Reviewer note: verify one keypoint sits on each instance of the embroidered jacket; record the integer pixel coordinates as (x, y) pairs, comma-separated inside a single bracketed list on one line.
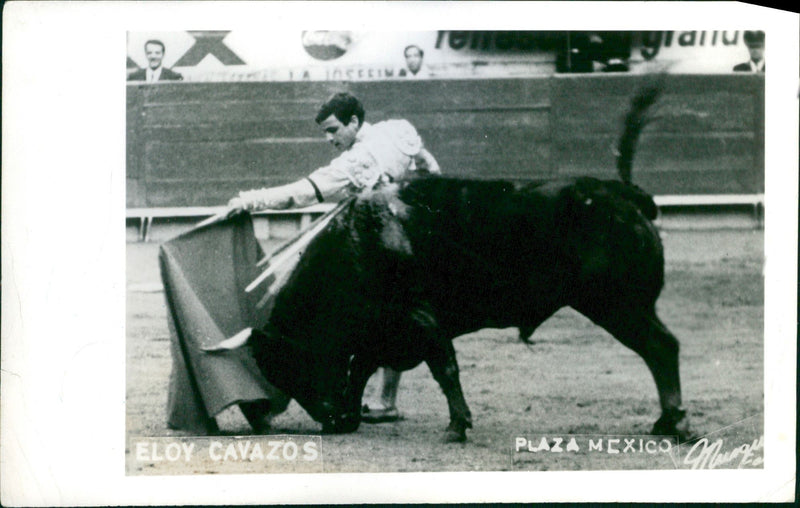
[(381, 153)]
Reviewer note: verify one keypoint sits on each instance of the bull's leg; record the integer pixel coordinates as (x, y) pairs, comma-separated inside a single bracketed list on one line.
[(359, 373), (642, 331), (663, 361), (443, 366)]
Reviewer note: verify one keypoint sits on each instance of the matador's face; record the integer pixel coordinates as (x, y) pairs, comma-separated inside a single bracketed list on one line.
[(338, 134)]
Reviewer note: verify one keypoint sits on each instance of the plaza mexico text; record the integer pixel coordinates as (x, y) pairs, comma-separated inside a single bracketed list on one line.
[(593, 444), (240, 450), (703, 453)]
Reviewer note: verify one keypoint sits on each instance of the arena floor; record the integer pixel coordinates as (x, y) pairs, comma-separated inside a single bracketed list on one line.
[(574, 380)]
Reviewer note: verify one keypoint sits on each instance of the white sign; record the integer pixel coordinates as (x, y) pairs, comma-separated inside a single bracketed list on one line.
[(292, 55)]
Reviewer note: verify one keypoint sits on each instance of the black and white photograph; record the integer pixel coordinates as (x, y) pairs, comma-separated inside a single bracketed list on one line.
[(423, 255)]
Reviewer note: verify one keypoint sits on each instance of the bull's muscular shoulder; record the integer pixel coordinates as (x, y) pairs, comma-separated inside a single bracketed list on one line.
[(442, 192), (379, 216), (587, 190)]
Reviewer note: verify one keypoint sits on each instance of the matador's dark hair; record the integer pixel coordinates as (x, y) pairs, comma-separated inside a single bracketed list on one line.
[(343, 106)]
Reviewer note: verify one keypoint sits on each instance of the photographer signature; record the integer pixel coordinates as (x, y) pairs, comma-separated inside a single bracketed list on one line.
[(707, 455)]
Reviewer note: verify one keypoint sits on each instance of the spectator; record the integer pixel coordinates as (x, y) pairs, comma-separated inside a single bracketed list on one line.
[(755, 46), (372, 155), (154, 51), (615, 51), (595, 51), (578, 52), (414, 56)]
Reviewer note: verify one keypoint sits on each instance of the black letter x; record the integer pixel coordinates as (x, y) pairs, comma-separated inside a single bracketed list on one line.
[(208, 42)]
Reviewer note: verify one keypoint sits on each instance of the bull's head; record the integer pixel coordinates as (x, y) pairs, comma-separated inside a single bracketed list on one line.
[(316, 325), (319, 382)]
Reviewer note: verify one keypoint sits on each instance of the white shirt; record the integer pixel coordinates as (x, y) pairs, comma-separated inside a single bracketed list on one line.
[(152, 75), (757, 67), (381, 153)]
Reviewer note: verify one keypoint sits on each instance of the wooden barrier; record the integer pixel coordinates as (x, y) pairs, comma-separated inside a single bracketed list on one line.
[(198, 144), (142, 220)]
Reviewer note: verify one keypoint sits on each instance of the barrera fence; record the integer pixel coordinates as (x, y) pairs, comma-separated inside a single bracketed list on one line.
[(192, 146)]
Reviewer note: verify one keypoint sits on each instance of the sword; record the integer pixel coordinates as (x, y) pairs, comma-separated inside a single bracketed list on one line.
[(214, 218)]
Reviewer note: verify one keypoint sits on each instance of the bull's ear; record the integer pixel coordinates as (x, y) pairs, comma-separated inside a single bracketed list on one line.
[(237, 341)]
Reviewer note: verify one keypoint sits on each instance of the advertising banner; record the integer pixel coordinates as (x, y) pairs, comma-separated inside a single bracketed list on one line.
[(275, 55)]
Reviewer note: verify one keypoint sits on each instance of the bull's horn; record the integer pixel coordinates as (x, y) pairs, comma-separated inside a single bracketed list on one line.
[(237, 341)]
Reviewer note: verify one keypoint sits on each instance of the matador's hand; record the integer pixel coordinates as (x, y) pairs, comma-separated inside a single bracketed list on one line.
[(236, 205)]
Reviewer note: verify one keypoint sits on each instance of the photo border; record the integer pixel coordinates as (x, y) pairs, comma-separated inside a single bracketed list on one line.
[(63, 363)]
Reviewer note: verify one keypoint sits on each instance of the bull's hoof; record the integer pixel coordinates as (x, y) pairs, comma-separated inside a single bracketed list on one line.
[(674, 423), (455, 434), (350, 424), (344, 424)]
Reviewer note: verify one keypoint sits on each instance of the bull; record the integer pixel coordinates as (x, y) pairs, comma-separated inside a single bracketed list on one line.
[(404, 270)]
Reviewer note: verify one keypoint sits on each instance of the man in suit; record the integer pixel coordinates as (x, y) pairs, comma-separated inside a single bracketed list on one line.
[(154, 51), (414, 56), (754, 40)]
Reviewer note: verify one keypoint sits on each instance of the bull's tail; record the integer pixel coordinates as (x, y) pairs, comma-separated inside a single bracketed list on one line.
[(635, 121)]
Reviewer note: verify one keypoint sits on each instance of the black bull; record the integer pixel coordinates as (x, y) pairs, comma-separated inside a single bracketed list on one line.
[(404, 270)]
